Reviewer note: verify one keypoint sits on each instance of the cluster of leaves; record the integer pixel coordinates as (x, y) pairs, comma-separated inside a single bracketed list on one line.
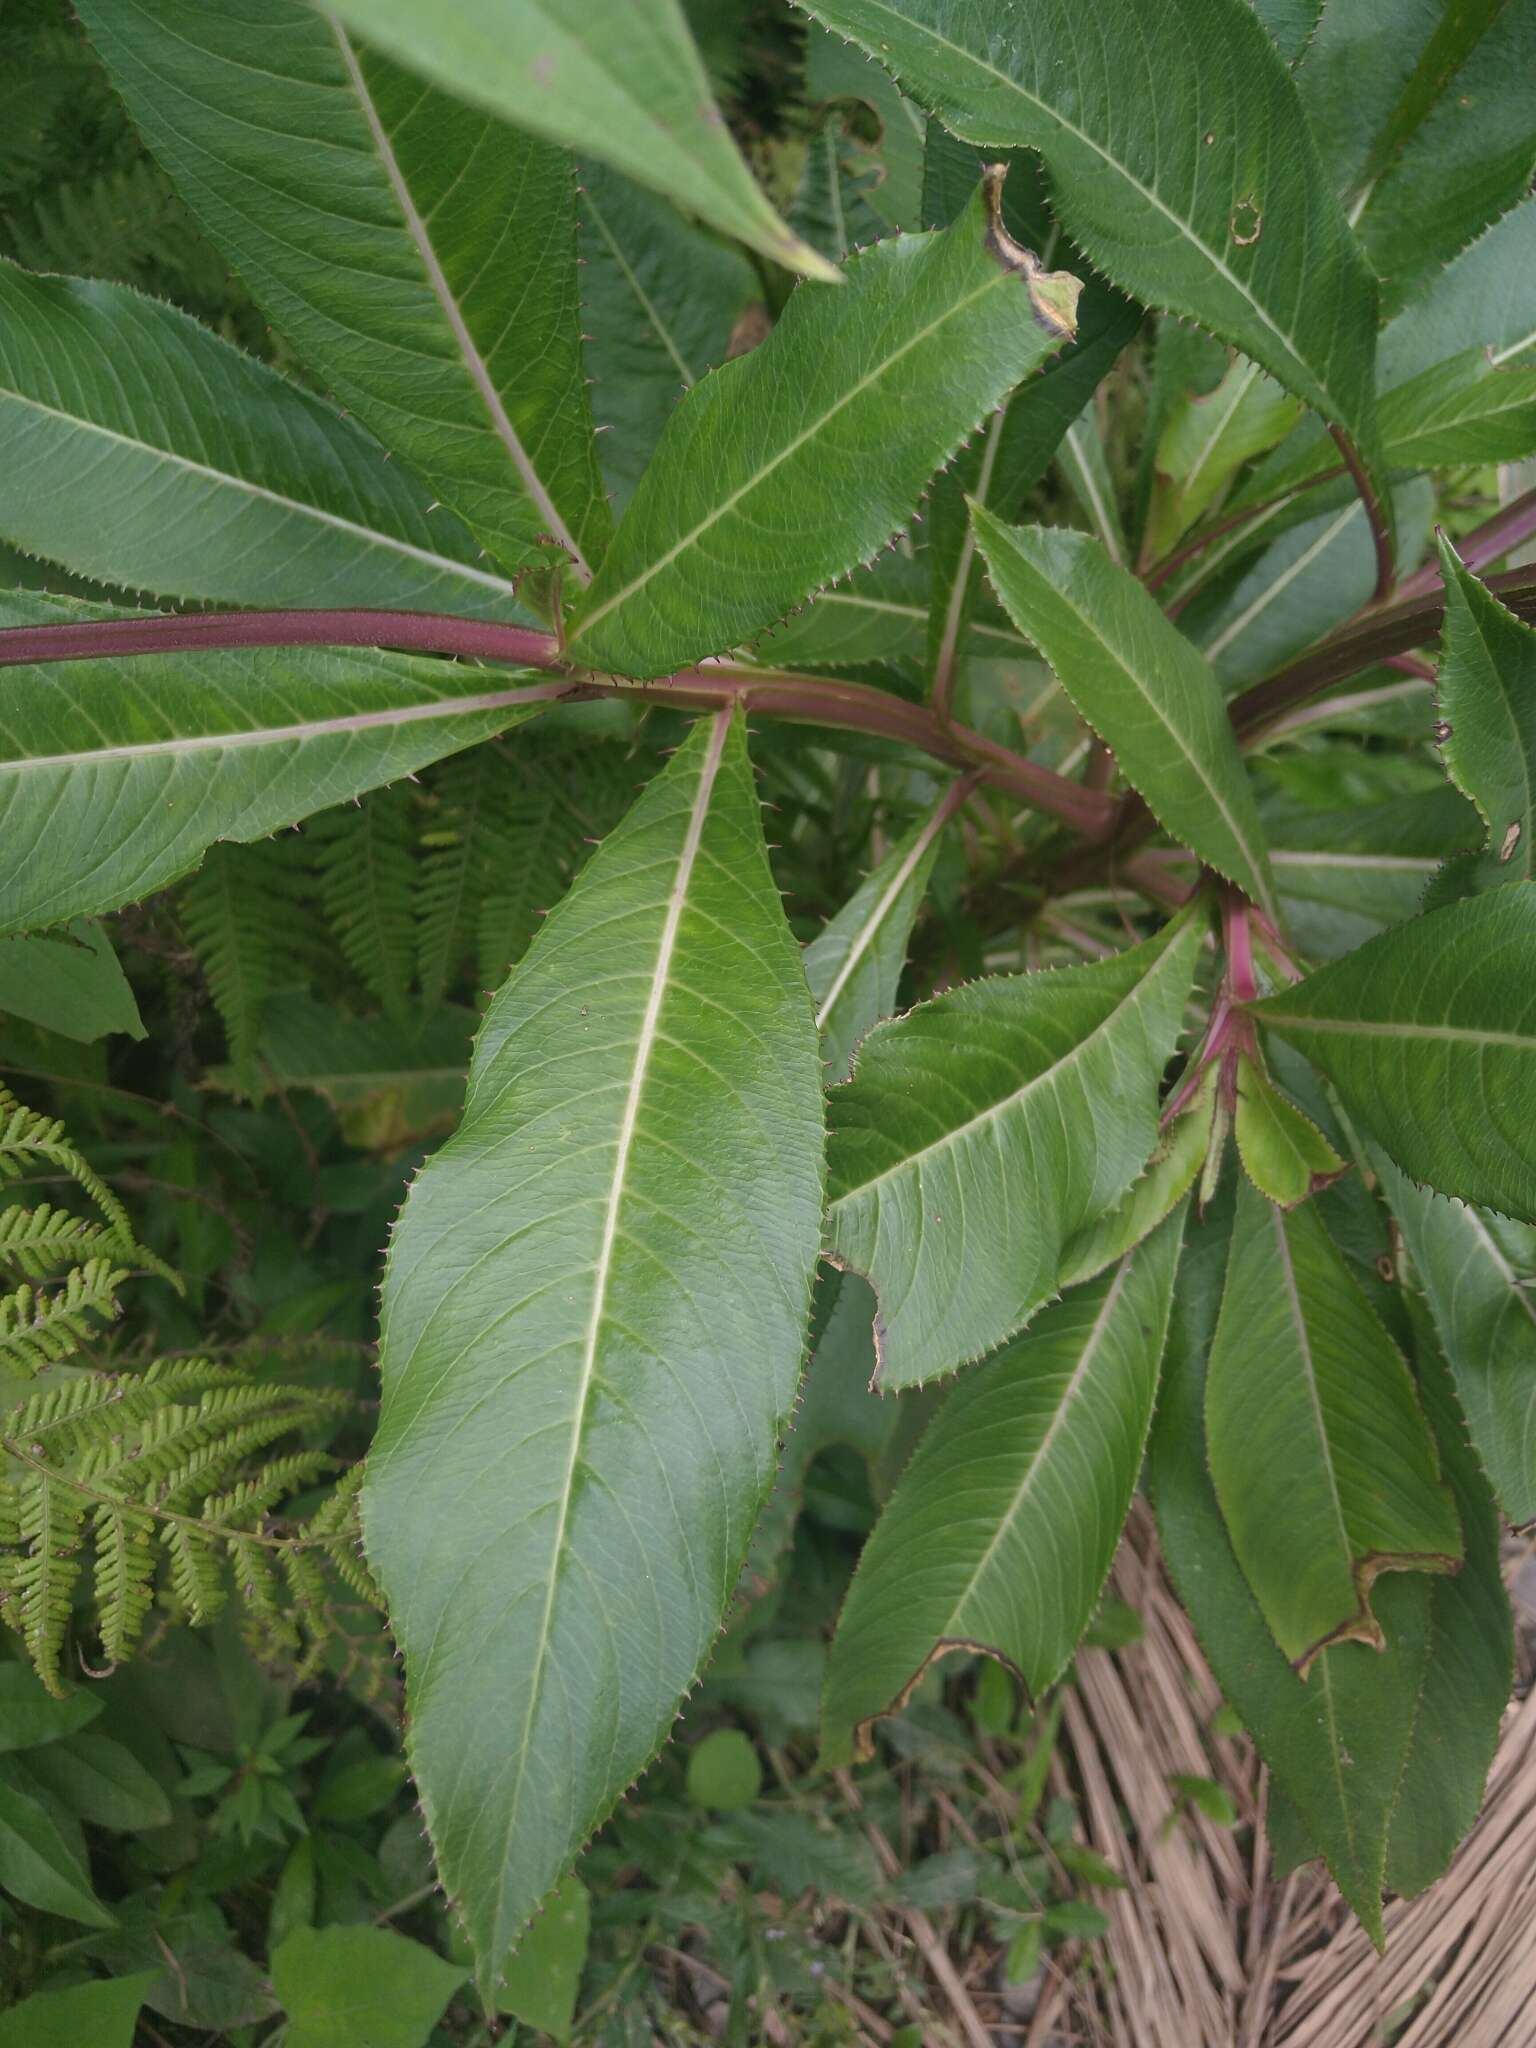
[(1182, 329)]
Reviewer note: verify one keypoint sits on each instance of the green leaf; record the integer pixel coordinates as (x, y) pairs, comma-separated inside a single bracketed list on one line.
[(632, 1196), (1429, 1035), (1178, 160), (42, 1855), (1042, 1446), (1346, 1800), (854, 963), (1206, 440), (70, 983), (982, 1130), (1485, 695), (1478, 1273), (1141, 686), (762, 489), (1321, 1459), (540, 1980), (1283, 1152), (1426, 117), (419, 255), (98, 1780), (360, 1987), (1170, 1174), (30, 1716), (1485, 301), (723, 1771), (115, 774), (612, 80), (1471, 1660), (660, 299), (104, 2014), (111, 404)]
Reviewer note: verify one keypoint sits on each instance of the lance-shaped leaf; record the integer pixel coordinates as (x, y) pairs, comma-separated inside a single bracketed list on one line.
[(1345, 1791), (139, 449), (1426, 118), (69, 982), (883, 614), (984, 1129), (1283, 1152), (1206, 440), (854, 964), (1178, 160), (115, 775), (1321, 1458), (763, 489), (660, 300), (1478, 1274), (1139, 683), (1171, 1171), (593, 1317), (1429, 1034), (419, 255), (1486, 697), (608, 79), (1000, 1532)]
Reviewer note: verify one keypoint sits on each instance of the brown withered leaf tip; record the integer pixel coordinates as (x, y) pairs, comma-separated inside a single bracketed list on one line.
[(1053, 294)]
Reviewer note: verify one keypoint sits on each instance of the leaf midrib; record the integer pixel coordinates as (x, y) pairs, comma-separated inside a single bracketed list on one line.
[(1309, 1376), (228, 480), (869, 930), (790, 448), (645, 1042), (1148, 192), (1517, 745), (1447, 1034)]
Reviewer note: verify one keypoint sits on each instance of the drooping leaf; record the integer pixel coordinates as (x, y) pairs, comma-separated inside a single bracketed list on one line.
[(611, 80), (1346, 1801), (1471, 1659), (1478, 1274), (660, 300), (139, 449), (116, 774), (1141, 686), (632, 1198), (420, 255), (854, 963), (70, 982), (1283, 1152), (360, 1987), (1426, 118), (1000, 1532), (982, 1130), (541, 1979), (762, 490), (1178, 160), (1486, 699), (1320, 1456), (1429, 1034)]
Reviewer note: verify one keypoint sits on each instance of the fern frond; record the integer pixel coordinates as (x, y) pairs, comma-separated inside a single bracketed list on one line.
[(197, 1571), (125, 1576), (243, 914), (336, 1529), (36, 1242), (40, 1329), (244, 1505), (270, 1631), (363, 858), (25, 1135), (50, 1517), (307, 1593)]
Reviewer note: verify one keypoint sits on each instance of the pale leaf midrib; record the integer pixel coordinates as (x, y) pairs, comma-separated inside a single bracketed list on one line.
[(792, 447), (997, 1110), (475, 365), (647, 305), (645, 1041), (1309, 1376), (278, 735), (870, 929), (1442, 1034), (228, 480)]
